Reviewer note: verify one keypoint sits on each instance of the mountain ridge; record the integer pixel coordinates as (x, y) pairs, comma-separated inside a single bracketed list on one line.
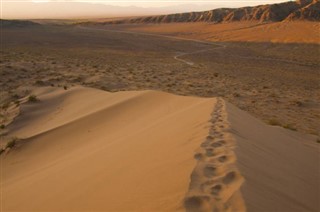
[(308, 10)]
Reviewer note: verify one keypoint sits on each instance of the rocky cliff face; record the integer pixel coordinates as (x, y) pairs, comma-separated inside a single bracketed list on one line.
[(310, 12), (299, 10)]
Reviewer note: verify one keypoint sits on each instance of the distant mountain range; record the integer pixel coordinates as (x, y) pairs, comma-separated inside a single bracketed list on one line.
[(306, 10)]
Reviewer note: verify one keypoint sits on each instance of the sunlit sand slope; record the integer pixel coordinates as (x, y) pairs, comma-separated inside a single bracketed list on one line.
[(87, 149), (93, 150)]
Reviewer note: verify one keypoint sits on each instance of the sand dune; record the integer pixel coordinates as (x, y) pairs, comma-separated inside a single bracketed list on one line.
[(122, 151), (86, 149), (280, 167)]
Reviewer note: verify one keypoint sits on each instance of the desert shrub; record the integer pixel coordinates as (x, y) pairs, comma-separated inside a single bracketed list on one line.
[(33, 98), (15, 96), (5, 105), (1, 151), (274, 122), (12, 143), (236, 94), (298, 103), (2, 126), (40, 82), (290, 127), (65, 87)]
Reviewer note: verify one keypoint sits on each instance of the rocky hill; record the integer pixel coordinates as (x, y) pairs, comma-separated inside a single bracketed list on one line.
[(17, 23), (293, 10)]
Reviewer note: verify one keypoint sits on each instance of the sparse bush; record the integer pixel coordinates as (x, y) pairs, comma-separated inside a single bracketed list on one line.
[(274, 122), (318, 140), (236, 94), (1, 151), (33, 98), (65, 87), (298, 103), (5, 106), (15, 96), (11, 143), (290, 127), (273, 95), (2, 126), (40, 82)]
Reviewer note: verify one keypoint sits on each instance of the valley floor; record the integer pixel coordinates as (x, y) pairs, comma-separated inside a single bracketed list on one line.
[(276, 82)]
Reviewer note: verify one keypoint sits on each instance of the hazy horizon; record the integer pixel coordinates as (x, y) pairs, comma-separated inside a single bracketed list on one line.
[(69, 9)]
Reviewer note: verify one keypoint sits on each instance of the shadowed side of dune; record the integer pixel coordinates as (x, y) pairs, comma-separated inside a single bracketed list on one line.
[(280, 167)]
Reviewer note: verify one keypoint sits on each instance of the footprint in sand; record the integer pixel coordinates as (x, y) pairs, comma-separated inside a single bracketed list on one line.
[(216, 144), (216, 189), (222, 159), (197, 203), (198, 156), (210, 152), (229, 177), (205, 144), (211, 171), (210, 137), (216, 134)]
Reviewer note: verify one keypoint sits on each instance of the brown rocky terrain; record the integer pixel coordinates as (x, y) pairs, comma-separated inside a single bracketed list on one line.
[(17, 23)]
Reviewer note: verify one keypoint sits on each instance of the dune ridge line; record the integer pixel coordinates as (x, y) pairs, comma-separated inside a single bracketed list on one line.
[(216, 181)]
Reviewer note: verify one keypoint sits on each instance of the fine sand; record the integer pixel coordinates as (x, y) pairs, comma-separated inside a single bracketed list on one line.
[(91, 150)]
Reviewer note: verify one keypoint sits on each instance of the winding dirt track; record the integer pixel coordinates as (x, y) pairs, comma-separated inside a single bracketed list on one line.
[(179, 55), (190, 63)]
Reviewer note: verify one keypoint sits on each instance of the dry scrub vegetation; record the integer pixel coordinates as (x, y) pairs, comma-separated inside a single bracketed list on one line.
[(278, 83)]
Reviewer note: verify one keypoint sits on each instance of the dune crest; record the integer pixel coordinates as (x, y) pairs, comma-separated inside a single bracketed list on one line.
[(216, 181)]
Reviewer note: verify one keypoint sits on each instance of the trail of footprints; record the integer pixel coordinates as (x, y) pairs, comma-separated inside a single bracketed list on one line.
[(215, 181)]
